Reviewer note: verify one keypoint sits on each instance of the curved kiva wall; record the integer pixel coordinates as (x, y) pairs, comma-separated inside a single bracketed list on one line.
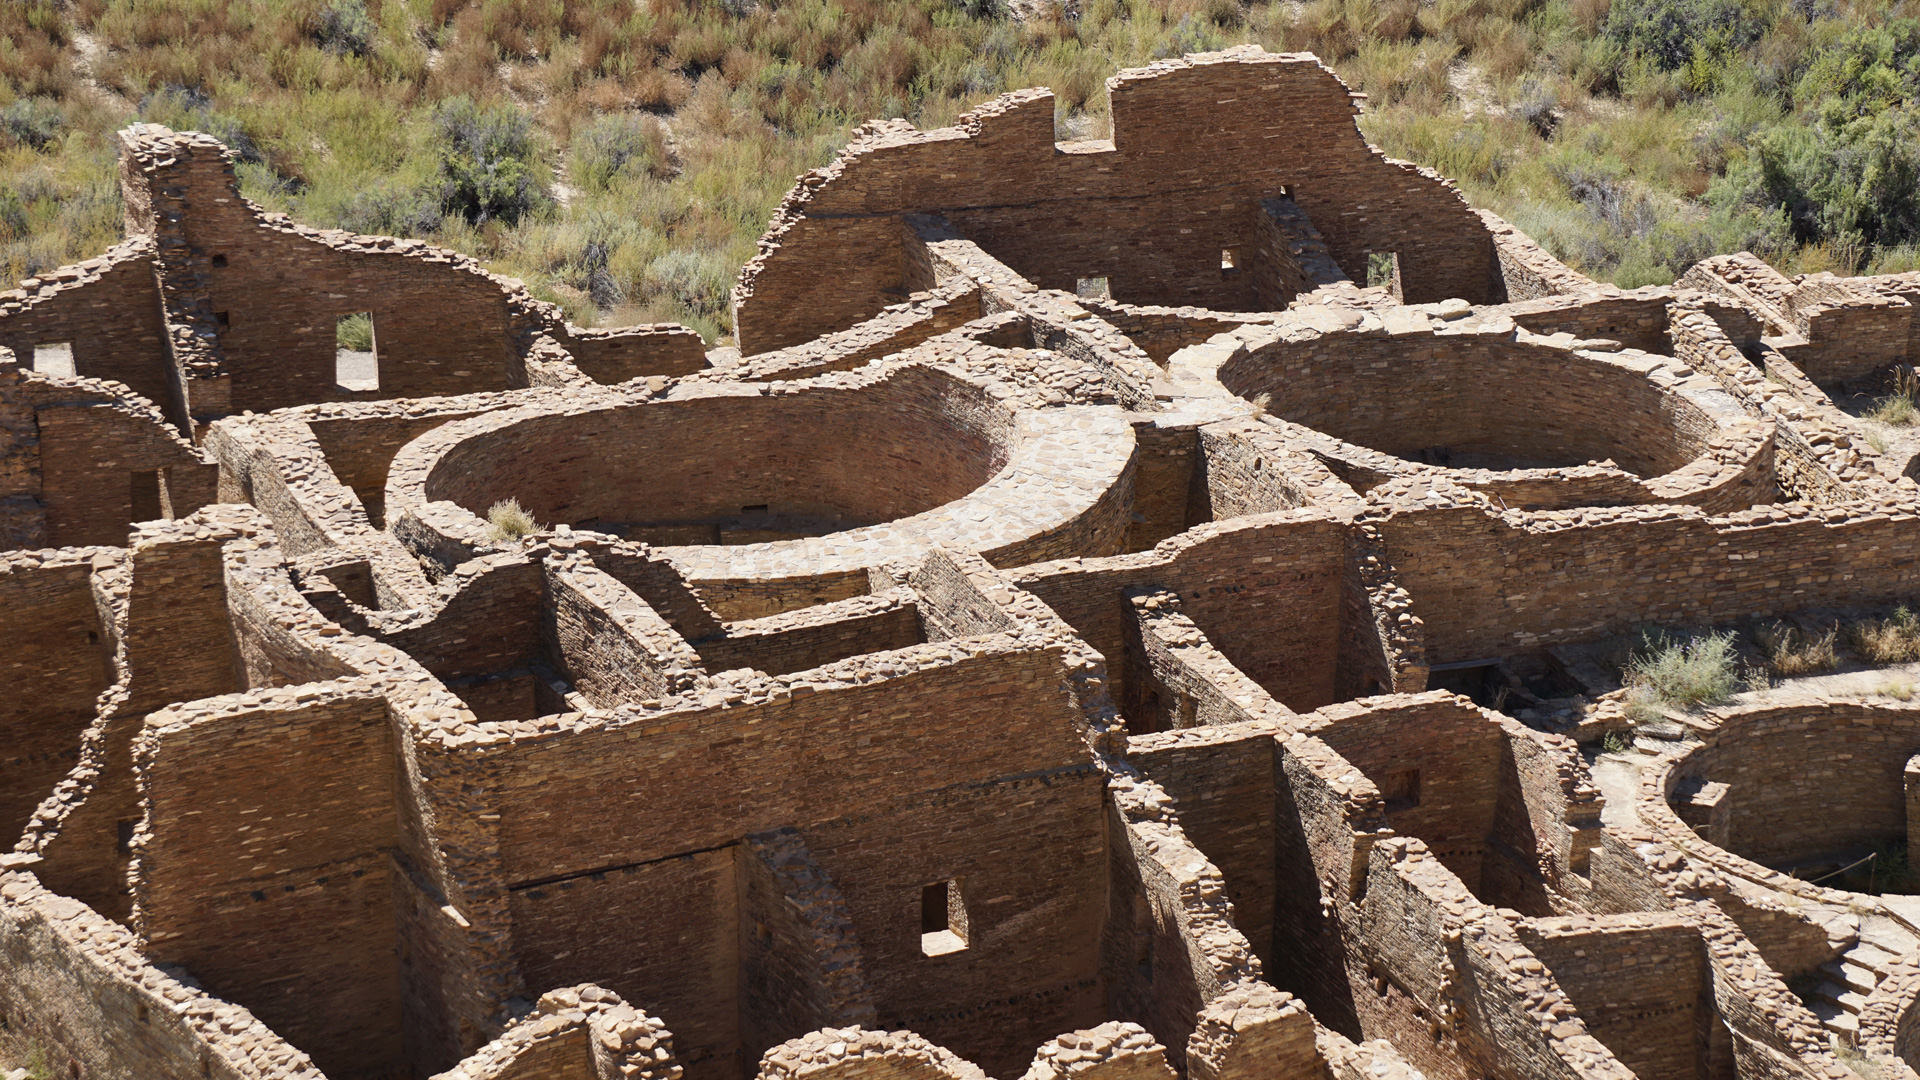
[(1804, 780), (898, 458), (1178, 182), (814, 462), (1489, 401), (1514, 416)]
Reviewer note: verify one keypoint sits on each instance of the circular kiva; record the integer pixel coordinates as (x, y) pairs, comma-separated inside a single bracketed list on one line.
[(1535, 421), (788, 483), (1779, 791)]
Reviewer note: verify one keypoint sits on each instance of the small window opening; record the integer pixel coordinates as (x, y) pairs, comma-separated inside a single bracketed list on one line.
[(756, 508), (1401, 789), (1229, 259), (219, 260), (1383, 271), (943, 919), (356, 354), (53, 358), (143, 491), (221, 318), (1093, 288)]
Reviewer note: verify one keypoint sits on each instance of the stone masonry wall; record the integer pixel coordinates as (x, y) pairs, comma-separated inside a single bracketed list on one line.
[(1810, 779), (1640, 982), (78, 982), (48, 615), (1002, 181), (1284, 567), (562, 841), (107, 308), (800, 957), (246, 884), (1490, 584)]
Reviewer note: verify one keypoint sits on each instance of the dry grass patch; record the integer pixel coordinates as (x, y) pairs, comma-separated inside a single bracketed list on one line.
[(1894, 640), (508, 522), (1791, 651)]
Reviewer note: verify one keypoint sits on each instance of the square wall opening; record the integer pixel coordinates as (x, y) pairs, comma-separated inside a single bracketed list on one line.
[(54, 358), (356, 357), (943, 918)]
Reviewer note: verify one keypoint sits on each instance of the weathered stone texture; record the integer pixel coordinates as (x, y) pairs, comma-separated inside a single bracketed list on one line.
[(1017, 664)]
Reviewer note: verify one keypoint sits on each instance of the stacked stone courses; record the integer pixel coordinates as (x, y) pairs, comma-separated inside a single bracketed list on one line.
[(1134, 612)]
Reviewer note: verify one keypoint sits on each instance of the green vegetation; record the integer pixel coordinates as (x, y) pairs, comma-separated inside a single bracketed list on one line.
[(1901, 408), (1668, 672), (622, 156), (507, 522), (354, 332)]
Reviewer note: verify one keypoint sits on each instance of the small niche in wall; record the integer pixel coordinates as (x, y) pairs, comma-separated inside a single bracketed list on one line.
[(53, 358), (219, 260), (143, 490), (943, 918), (356, 352), (1093, 288), (1229, 260), (1401, 789), (220, 318)]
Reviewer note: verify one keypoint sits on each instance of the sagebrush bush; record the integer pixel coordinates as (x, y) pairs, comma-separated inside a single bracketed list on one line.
[(1700, 670), (488, 161), (32, 122), (354, 332)]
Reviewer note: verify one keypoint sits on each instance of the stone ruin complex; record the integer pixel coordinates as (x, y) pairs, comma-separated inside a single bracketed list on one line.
[(1092, 632)]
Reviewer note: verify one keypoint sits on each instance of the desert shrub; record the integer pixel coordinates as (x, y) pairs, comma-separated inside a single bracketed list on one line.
[(1791, 651), (1901, 407), (1671, 33), (1538, 105), (32, 122), (1893, 640), (618, 146), (397, 210), (488, 161), (1699, 670), (507, 522), (355, 332), (343, 27)]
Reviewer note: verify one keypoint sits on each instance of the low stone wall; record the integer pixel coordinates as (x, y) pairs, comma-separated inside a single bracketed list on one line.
[(81, 460), (576, 1033), (857, 1054), (1527, 271)]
